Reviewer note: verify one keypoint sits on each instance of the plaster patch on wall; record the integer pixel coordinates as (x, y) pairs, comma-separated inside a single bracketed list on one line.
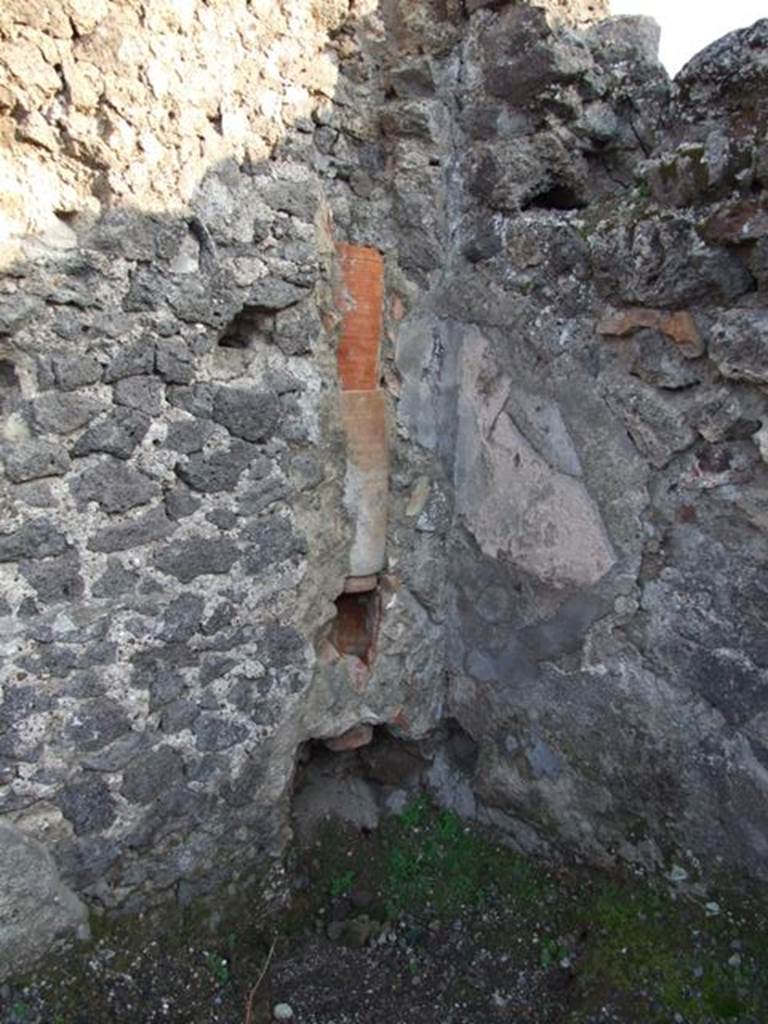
[(513, 499)]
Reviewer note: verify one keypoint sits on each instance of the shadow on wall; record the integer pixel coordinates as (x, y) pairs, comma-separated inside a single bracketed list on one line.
[(91, 121)]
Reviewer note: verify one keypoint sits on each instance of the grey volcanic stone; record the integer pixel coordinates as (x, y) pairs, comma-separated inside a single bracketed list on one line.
[(115, 486), (132, 533), (739, 345), (295, 197), (118, 753), (85, 861), (269, 541), (37, 494), (285, 646), (53, 413), (182, 618), (521, 59), (196, 399), (297, 328), (223, 518), (199, 300), (18, 310), (30, 460), (197, 556), (146, 290), (250, 414), (153, 773), (215, 732), (215, 667), (219, 471), (543, 761), (178, 716), (173, 360), (88, 804), (159, 671), (274, 293), (142, 393), (180, 502), (98, 723), (72, 372), (661, 262), (36, 539), (630, 38), (20, 701), (117, 434), (656, 362), (207, 767), (135, 359), (55, 579), (188, 436), (728, 71), (116, 580), (36, 908), (307, 471)]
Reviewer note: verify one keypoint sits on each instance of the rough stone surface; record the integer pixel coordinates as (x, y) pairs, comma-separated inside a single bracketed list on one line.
[(197, 556), (117, 434), (30, 460), (574, 356), (251, 415), (36, 908), (113, 485)]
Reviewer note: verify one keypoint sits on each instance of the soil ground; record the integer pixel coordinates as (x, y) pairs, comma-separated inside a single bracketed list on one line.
[(424, 921)]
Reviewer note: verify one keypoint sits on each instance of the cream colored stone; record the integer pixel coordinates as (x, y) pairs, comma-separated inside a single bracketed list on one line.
[(514, 502), (760, 437), (417, 499), (144, 83), (86, 14)]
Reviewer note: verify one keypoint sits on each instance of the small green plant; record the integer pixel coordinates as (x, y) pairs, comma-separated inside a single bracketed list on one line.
[(551, 952), (434, 862), (341, 884), (415, 813), (218, 967)]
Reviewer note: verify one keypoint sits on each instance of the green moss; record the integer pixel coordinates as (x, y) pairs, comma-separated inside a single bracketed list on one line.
[(641, 940), (341, 884), (434, 862)]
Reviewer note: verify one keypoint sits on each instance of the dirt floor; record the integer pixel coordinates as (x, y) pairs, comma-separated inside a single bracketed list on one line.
[(422, 921)]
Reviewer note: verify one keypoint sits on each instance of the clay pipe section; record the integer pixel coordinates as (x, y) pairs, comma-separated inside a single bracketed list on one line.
[(364, 415), (360, 301), (363, 411)]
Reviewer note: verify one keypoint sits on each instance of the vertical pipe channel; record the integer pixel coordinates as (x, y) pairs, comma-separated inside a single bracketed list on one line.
[(363, 411)]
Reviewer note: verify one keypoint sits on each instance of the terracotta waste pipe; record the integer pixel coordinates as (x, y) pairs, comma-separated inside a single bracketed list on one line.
[(366, 488), (363, 410), (360, 301)]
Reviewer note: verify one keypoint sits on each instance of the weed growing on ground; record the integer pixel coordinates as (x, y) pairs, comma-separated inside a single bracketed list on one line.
[(218, 966), (340, 885), (434, 862)]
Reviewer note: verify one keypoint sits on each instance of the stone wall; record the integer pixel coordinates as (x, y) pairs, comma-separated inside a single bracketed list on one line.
[(610, 479), (573, 366), (174, 533)]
